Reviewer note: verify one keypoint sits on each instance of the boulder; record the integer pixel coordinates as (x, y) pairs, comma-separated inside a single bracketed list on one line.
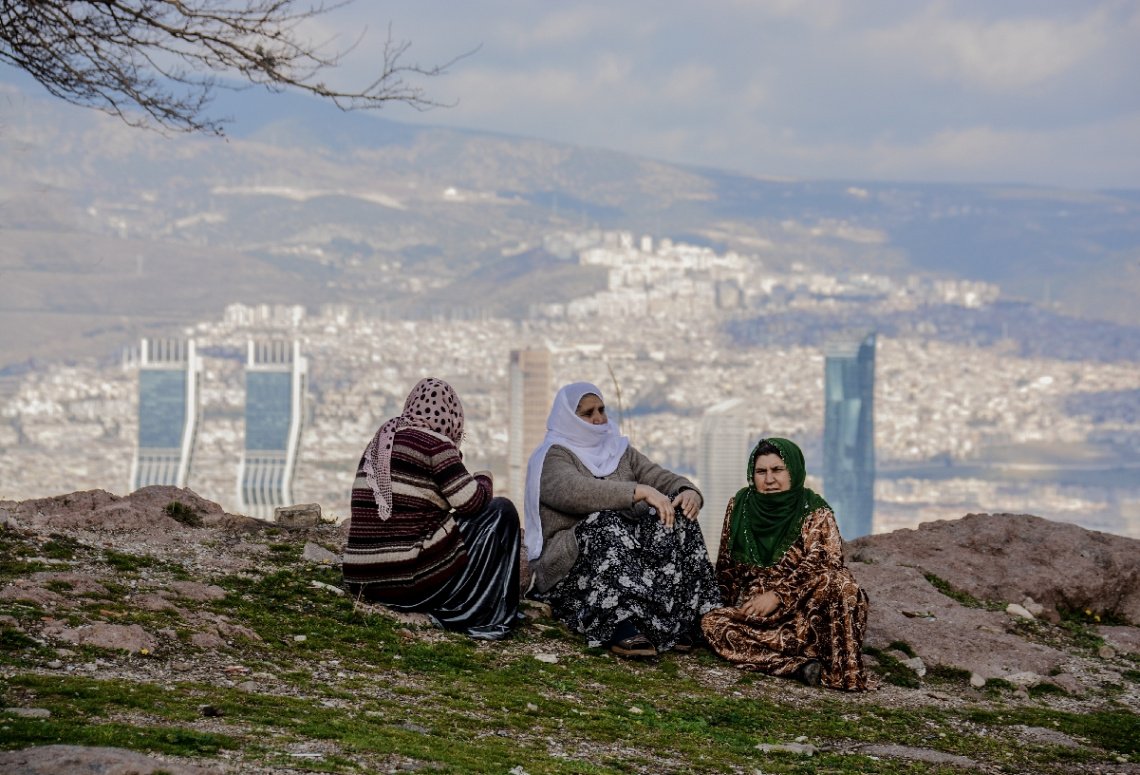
[(303, 515), (1123, 639), (129, 637), (317, 553), (1008, 557), (152, 603), (34, 595), (208, 640), (144, 508), (81, 583), (906, 607), (75, 759)]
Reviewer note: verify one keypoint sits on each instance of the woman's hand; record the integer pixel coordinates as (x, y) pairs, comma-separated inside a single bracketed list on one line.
[(658, 501), (759, 606), (689, 502)]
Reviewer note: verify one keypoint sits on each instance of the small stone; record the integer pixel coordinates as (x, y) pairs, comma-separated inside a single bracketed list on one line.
[(64, 653), (55, 664), (977, 681), (182, 667), (1024, 678), (248, 686), (303, 515), (1016, 610), (916, 664), (1033, 607), (802, 739), (635, 710), (1069, 682), (29, 712), (300, 638), (536, 610), (210, 711), (1106, 652), (530, 706), (317, 553), (550, 659)]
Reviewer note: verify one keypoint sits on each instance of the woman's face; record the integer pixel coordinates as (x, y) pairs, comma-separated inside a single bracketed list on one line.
[(771, 475), (592, 410)]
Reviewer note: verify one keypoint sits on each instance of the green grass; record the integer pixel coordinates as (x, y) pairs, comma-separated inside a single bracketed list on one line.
[(964, 599), (465, 706), (891, 669), (182, 513)]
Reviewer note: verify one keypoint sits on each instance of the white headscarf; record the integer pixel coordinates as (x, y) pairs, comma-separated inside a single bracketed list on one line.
[(599, 447)]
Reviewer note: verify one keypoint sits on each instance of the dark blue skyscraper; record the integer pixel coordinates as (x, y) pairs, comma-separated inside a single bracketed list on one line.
[(849, 433), (275, 386), (169, 412)]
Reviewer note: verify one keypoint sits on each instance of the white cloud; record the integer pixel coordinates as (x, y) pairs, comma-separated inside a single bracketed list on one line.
[(1004, 55)]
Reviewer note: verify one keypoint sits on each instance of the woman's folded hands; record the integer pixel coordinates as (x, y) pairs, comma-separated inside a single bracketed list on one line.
[(759, 606), (687, 500)]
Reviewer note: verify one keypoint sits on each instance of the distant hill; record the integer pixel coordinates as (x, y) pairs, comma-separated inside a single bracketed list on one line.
[(108, 230)]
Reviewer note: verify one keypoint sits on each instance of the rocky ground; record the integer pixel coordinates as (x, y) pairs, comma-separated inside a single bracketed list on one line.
[(156, 633)]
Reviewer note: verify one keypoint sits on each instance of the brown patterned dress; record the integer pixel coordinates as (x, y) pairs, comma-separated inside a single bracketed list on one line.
[(822, 613)]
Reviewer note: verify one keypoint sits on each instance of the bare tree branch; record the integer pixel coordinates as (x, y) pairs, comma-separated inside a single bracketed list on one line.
[(156, 63)]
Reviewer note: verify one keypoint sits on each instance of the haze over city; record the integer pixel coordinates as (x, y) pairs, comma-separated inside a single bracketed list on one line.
[(683, 195)]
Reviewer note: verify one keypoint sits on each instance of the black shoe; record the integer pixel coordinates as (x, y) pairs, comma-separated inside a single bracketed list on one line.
[(693, 639), (808, 674)]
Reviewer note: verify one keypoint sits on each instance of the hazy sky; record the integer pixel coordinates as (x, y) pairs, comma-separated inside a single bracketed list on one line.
[(1012, 91)]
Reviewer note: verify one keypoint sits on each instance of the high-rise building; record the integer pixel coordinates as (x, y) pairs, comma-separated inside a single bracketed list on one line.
[(530, 398), (721, 462), (849, 433), (276, 383), (170, 376)]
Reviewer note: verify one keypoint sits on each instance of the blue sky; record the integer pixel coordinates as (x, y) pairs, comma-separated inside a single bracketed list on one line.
[(1023, 92)]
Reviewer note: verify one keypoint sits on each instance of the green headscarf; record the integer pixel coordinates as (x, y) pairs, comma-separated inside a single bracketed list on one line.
[(765, 525)]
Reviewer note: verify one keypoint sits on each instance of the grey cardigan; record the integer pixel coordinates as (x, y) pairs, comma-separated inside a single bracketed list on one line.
[(569, 492)]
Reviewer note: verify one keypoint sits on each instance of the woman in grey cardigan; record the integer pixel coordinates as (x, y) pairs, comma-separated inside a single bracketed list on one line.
[(612, 537)]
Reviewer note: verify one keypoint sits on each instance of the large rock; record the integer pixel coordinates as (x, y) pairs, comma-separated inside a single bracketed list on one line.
[(1013, 556), (1126, 639), (129, 637), (80, 583), (905, 607), (144, 508), (84, 760), (302, 515)]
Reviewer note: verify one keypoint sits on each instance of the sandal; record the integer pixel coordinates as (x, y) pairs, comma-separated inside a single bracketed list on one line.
[(689, 641), (634, 646)]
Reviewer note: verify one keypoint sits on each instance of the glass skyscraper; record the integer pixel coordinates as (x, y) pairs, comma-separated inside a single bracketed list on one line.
[(849, 433), (170, 376), (276, 382)]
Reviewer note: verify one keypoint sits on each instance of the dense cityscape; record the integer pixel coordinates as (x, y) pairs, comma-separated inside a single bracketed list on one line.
[(661, 333)]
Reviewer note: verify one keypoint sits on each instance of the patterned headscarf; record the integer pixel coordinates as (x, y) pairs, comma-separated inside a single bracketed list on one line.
[(765, 525), (433, 406)]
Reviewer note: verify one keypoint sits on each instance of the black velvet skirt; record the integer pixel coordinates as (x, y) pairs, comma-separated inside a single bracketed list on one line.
[(482, 599)]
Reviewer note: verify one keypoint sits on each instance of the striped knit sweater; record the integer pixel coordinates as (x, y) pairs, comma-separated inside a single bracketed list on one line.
[(404, 558)]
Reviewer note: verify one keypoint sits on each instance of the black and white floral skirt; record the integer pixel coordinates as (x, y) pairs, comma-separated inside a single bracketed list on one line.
[(636, 569)]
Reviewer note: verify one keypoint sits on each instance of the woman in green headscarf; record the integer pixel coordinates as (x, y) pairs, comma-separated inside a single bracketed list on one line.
[(791, 608)]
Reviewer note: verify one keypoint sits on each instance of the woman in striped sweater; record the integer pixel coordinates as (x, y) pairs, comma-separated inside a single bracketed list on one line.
[(426, 535)]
